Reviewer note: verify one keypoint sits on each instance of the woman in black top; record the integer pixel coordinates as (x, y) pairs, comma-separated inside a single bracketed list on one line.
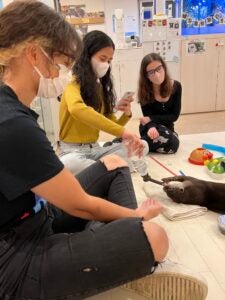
[(160, 99), (61, 237)]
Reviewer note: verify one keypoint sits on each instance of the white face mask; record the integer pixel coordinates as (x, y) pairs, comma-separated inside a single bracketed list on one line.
[(100, 68), (53, 87)]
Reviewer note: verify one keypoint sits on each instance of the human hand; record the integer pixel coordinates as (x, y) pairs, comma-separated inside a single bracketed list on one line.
[(153, 133), (133, 143), (144, 120), (149, 209), (124, 105)]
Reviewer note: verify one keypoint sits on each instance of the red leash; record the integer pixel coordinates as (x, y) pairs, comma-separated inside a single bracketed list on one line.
[(159, 163)]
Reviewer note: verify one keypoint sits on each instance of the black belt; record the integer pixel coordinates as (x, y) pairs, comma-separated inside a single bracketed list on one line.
[(18, 221)]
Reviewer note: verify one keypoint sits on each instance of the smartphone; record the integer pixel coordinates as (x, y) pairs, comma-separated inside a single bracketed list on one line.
[(128, 94)]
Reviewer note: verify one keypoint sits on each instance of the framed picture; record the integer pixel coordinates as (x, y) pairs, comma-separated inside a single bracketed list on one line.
[(195, 47), (78, 15)]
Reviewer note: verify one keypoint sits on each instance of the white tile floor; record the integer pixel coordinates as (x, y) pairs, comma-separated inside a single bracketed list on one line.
[(197, 242), (186, 124)]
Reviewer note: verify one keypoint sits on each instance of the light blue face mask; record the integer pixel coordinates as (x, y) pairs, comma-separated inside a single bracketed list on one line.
[(53, 87)]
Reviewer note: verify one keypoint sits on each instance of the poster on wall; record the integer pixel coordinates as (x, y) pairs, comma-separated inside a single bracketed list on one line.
[(161, 29), (154, 30), (174, 28), (167, 49), (160, 8), (195, 47), (130, 21), (79, 16)]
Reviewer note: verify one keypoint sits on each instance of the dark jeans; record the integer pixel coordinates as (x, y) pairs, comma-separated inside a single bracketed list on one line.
[(53, 255), (167, 142)]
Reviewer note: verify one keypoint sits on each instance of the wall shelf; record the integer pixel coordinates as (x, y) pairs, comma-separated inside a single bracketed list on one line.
[(80, 21)]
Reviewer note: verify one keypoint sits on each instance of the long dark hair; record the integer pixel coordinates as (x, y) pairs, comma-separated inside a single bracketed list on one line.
[(93, 42), (145, 87)]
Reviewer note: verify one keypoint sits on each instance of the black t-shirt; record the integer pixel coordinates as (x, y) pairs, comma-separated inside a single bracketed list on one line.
[(26, 158), (164, 113)]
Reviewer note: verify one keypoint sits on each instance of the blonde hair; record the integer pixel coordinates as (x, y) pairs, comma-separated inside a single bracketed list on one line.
[(25, 21), (7, 54)]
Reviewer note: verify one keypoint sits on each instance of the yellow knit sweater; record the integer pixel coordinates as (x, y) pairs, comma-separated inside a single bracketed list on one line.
[(80, 123)]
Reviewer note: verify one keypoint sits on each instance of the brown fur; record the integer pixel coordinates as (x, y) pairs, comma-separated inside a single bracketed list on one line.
[(196, 191)]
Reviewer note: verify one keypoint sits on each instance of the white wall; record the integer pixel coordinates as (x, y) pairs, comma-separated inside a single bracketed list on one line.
[(48, 2), (130, 9)]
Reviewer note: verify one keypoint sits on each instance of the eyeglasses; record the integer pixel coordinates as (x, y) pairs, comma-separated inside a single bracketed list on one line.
[(151, 73), (50, 59)]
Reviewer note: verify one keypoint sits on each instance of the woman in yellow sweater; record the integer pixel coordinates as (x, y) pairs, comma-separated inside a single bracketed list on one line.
[(87, 106)]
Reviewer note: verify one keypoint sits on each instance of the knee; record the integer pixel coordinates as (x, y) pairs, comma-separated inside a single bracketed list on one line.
[(70, 162), (113, 162), (75, 163), (158, 240), (175, 144), (171, 146)]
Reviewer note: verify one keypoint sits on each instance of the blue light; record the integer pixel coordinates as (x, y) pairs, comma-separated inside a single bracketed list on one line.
[(201, 10)]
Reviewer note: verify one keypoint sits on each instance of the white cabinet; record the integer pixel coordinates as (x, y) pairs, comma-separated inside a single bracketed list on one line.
[(125, 69), (202, 76), (129, 74), (220, 99), (116, 77), (48, 111)]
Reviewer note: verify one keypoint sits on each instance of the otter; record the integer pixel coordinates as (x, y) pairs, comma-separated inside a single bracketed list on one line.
[(190, 190)]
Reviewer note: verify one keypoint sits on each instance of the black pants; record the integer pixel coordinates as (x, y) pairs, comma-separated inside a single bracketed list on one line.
[(53, 255), (167, 142)]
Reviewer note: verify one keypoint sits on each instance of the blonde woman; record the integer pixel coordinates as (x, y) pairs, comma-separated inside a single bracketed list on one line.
[(61, 237)]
